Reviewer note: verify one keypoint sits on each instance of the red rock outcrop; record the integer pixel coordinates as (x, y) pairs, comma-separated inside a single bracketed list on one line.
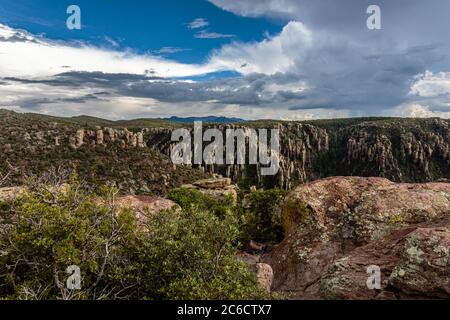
[(414, 263), (334, 220)]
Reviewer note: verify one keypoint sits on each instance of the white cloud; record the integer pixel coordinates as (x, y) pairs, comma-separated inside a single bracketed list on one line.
[(112, 42), (415, 110), (429, 84), (282, 8), (170, 50), (40, 57), (272, 55), (198, 23), (204, 34)]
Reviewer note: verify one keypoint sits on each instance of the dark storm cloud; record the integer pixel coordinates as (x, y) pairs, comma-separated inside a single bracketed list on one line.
[(344, 77), (248, 90), (16, 38), (36, 104), (349, 66), (79, 79)]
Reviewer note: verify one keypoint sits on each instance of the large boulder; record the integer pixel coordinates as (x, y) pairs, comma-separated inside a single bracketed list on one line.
[(363, 208), (215, 183), (220, 188), (262, 271), (326, 220)]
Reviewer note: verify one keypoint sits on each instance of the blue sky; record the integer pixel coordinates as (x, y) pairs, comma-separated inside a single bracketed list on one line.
[(144, 26), (253, 59)]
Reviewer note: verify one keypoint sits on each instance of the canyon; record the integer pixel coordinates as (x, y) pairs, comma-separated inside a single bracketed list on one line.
[(402, 150)]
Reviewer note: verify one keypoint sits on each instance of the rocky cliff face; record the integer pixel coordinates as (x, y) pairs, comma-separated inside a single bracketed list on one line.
[(402, 150), (338, 227), (106, 136), (402, 153), (33, 144), (300, 144)]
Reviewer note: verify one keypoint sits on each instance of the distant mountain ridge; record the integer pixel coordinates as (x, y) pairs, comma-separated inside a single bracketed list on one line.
[(209, 119)]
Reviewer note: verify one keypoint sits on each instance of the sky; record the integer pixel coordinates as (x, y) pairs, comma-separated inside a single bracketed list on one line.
[(253, 59)]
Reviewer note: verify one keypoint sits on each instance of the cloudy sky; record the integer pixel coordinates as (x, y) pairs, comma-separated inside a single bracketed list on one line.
[(280, 59)]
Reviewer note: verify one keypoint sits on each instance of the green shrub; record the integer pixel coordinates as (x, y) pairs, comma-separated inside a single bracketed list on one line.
[(191, 256), (258, 215), (191, 198), (263, 221), (187, 254), (45, 232)]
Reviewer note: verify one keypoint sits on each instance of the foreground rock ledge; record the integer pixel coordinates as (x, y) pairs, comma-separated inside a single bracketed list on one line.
[(220, 188), (337, 227)]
